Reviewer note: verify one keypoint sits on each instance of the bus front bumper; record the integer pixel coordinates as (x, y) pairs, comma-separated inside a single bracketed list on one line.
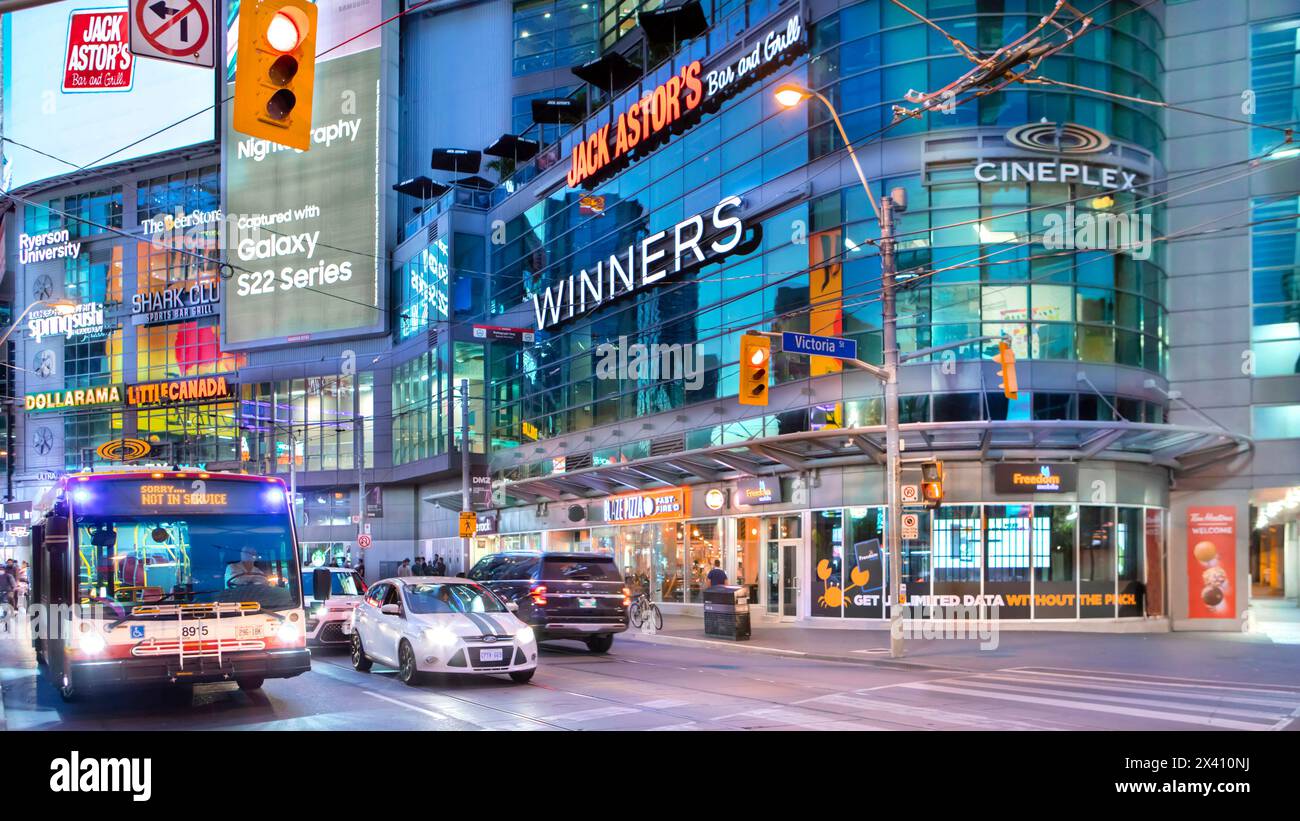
[(110, 673)]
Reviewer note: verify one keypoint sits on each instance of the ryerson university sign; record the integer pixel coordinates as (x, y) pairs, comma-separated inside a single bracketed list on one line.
[(680, 249)]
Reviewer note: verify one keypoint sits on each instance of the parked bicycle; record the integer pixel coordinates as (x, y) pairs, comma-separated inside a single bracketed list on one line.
[(643, 610)]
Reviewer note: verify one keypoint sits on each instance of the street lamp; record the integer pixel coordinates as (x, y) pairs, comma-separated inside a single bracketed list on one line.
[(62, 306), (790, 95)]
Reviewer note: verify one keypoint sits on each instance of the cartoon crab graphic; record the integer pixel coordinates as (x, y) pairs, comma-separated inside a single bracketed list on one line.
[(833, 595)]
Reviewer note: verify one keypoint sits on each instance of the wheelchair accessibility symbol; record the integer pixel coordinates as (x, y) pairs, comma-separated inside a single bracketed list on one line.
[(137, 631)]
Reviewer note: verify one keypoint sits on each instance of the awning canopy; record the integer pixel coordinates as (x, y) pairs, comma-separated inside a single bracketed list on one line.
[(557, 110), (459, 160), (475, 182), (612, 72), (421, 187), (1173, 446)]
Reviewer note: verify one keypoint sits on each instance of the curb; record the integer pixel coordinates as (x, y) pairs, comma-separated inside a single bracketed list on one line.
[(742, 647)]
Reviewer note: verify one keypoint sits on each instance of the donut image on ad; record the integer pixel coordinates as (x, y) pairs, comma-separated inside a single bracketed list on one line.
[(1211, 550)]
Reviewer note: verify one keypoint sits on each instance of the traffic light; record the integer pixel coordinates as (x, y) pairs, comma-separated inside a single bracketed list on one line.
[(276, 71), (932, 483), (755, 358), (1007, 359)]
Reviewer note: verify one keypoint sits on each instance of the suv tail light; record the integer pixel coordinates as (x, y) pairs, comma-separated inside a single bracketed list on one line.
[(538, 594), (627, 597)]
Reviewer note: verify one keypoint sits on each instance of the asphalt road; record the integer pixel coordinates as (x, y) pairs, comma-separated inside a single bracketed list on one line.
[(643, 686)]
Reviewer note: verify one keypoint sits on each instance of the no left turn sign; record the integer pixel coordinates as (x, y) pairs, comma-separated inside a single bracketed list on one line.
[(179, 31)]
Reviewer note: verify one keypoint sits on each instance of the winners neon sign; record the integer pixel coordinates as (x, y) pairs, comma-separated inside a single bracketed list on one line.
[(679, 102)]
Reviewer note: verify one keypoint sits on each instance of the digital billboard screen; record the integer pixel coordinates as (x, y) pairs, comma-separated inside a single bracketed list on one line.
[(67, 73), (303, 226)]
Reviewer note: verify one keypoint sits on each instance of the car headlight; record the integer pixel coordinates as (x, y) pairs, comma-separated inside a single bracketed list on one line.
[(319, 611), (440, 635), (525, 635)]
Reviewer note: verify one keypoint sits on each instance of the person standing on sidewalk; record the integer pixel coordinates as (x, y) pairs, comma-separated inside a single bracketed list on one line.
[(717, 575)]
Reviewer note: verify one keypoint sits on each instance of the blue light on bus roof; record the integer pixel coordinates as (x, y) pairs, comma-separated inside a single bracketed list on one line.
[(82, 495), (274, 496)]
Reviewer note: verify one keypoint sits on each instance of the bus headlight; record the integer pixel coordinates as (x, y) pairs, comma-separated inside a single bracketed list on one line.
[(288, 632), (525, 635), (92, 642)]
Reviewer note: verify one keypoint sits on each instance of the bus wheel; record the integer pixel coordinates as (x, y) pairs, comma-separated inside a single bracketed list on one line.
[(250, 683)]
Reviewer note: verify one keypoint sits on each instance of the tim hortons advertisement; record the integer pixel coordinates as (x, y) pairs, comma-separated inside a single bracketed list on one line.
[(302, 227), (1211, 562)]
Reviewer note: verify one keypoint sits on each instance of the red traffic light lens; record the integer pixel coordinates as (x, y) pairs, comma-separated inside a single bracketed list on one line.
[(282, 33)]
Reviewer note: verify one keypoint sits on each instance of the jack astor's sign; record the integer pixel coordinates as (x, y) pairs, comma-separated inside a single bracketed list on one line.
[(683, 248), (678, 103)]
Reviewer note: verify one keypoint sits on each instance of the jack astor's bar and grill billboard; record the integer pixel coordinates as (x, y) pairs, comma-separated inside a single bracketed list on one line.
[(679, 102), (147, 395)]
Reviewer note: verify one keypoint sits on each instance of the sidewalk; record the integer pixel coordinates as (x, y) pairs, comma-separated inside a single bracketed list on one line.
[(1259, 657), (17, 661)]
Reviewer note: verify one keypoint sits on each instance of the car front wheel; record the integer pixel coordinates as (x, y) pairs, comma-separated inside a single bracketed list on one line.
[(523, 676), (600, 644), (406, 669)]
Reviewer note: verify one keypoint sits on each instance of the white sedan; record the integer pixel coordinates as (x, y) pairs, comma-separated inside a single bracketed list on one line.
[(434, 624)]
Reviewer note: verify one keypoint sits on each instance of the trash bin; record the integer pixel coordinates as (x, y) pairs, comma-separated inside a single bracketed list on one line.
[(726, 612)]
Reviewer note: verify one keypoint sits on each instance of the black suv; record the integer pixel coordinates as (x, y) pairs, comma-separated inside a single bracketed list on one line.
[(562, 595)]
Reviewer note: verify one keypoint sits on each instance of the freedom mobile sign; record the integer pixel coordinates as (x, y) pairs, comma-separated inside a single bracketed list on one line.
[(679, 102), (302, 228)]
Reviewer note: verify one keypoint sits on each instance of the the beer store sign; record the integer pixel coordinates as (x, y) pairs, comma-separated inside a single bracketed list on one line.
[(686, 246), (669, 503), (679, 102), (179, 302), (85, 320), (1035, 478), (147, 395)]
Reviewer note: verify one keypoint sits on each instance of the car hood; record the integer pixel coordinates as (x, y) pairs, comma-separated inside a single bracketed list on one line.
[(471, 624)]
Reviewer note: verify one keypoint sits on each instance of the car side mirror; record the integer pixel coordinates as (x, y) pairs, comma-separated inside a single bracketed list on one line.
[(391, 609), (322, 583), (512, 607)]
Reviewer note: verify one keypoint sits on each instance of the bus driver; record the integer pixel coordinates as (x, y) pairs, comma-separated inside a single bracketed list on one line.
[(245, 571)]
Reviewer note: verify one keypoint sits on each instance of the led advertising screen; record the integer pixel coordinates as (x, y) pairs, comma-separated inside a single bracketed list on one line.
[(303, 226), (68, 74)]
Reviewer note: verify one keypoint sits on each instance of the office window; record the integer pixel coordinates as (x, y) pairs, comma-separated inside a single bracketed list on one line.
[(1275, 79), (1275, 286)]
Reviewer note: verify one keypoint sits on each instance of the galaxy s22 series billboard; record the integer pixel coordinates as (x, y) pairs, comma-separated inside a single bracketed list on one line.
[(302, 227), (68, 73)]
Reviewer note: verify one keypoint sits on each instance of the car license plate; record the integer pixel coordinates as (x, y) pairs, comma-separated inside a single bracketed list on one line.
[(496, 654), (586, 602)]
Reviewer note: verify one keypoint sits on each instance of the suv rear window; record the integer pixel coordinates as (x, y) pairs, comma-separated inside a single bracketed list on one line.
[(582, 570)]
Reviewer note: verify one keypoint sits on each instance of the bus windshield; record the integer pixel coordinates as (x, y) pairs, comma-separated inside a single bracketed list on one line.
[(127, 561)]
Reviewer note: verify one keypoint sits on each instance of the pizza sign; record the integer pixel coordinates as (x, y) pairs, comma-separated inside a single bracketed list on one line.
[(98, 57)]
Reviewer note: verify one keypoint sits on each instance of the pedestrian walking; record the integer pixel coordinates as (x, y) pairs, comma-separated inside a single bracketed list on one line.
[(404, 569)]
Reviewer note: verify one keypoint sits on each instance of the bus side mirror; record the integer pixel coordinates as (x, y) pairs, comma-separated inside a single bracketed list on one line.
[(321, 583)]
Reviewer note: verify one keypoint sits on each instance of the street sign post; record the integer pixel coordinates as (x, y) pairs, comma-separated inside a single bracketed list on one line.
[(910, 494), (832, 346), (468, 524), (179, 31), (911, 526), (363, 541)]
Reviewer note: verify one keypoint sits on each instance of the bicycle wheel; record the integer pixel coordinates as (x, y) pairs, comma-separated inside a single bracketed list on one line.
[(636, 615), (658, 616)]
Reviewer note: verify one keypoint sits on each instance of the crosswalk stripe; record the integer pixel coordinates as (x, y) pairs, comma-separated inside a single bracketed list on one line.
[(944, 716), (1216, 709), (1115, 709), (1083, 681), (592, 715), (1165, 681)]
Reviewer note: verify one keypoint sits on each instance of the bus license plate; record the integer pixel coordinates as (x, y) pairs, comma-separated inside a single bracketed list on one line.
[(586, 602), (252, 632), (497, 654)]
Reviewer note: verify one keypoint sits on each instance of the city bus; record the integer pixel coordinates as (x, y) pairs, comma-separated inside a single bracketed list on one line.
[(148, 577)]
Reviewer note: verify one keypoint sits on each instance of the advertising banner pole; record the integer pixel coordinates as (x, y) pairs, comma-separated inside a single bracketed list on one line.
[(464, 465)]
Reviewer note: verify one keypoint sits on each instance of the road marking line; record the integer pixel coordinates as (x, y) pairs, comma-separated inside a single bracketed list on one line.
[(430, 713), (591, 715), (1218, 697), (932, 714), (1204, 721), (1168, 681), (662, 703)]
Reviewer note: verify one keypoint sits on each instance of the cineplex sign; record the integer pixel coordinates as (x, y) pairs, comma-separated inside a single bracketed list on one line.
[(680, 101), (147, 395)]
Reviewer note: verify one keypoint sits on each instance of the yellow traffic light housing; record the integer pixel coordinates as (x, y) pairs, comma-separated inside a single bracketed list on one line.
[(932, 483), (1006, 358), (755, 367), (275, 71)]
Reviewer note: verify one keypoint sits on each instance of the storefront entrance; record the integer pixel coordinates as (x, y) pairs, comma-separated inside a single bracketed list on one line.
[(782, 548)]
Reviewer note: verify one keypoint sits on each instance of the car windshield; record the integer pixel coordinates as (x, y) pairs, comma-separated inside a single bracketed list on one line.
[(128, 561), (581, 570), (451, 598), (341, 584)]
